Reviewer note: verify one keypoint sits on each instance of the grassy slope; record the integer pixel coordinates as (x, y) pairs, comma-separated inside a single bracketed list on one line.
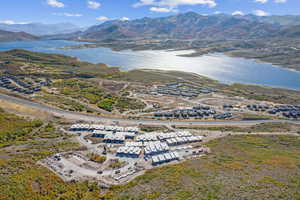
[(85, 91), (259, 128), (20, 176), (261, 93), (52, 65), (240, 167), (247, 167), (58, 66)]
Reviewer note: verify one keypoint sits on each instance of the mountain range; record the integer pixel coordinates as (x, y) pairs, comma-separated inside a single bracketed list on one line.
[(40, 29), (7, 36), (192, 26), (185, 26), (285, 20)]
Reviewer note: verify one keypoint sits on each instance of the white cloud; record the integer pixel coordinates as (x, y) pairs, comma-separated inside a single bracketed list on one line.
[(55, 3), (102, 18), (266, 1), (174, 3), (260, 13), (238, 12), (280, 1), (93, 4), (162, 10), (11, 22), (261, 1), (68, 14), (124, 19)]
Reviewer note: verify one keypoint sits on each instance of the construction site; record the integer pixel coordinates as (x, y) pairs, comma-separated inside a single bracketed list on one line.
[(112, 155)]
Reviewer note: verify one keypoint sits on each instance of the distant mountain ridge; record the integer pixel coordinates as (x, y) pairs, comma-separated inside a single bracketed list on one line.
[(284, 20), (41, 29), (8, 36), (188, 26), (184, 26)]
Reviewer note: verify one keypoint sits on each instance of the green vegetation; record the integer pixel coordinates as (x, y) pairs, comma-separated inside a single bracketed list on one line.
[(97, 158), (261, 93), (153, 128), (255, 167), (116, 164), (106, 104), (23, 143), (62, 102), (13, 128), (264, 127), (125, 103), (26, 63), (248, 167), (252, 167), (256, 92), (80, 89), (148, 76)]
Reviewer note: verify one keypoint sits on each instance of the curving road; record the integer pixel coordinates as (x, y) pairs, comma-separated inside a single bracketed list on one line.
[(94, 118)]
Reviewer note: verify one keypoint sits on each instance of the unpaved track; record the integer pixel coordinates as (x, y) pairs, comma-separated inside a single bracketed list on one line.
[(93, 118)]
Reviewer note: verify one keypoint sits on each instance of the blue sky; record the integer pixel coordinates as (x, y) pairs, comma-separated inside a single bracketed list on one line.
[(89, 12)]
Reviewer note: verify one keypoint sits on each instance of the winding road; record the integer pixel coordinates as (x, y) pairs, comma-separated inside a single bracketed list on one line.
[(93, 118)]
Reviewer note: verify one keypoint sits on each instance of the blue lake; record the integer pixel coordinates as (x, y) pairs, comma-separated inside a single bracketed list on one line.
[(217, 66)]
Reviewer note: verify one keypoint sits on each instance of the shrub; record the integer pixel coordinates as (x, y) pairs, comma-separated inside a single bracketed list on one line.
[(97, 158)]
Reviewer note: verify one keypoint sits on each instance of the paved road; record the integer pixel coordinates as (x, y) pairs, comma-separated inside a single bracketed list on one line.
[(94, 118)]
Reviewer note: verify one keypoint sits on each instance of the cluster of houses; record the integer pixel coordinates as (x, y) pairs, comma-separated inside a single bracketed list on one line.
[(226, 115), (155, 146), (288, 111), (166, 136), (164, 158), (178, 89), (261, 108), (228, 107), (92, 127), (115, 138), (129, 151), (148, 137), (2, 63), (195, 112), (16, 84), (110, 134), (183, 140)]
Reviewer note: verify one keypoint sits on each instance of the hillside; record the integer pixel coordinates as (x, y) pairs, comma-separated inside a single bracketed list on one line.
[(41, 29), (267, 39), (248, 166), (7, 36), (292, 32), (240, 167), (285, 20), (26, 63), (182, 26)]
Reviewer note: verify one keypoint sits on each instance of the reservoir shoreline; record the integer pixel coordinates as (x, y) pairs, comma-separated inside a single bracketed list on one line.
[(220, 67)]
